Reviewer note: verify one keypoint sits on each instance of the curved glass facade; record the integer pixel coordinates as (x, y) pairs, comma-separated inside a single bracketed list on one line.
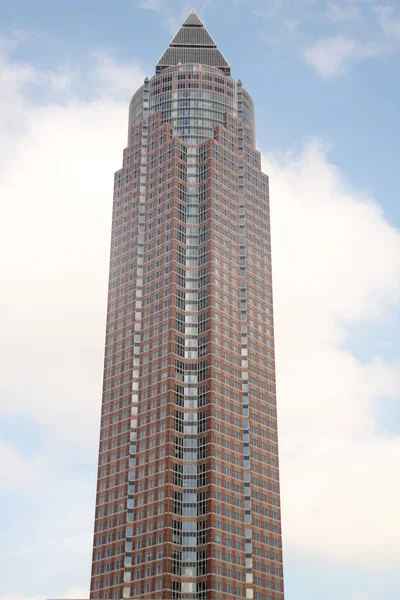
[(193, 99)]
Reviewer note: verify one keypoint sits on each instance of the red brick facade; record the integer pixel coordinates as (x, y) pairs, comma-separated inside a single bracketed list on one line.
[(187, 499)]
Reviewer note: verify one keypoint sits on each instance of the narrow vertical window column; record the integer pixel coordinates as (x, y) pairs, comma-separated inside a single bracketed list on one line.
[(136, 351), (245, 374), (194, 446)]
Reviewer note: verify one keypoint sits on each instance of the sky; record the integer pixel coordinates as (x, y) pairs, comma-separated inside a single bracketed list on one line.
[(324, 78)]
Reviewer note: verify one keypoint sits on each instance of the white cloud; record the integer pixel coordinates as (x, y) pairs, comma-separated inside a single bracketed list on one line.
[(269, 10), (336, 264), (172, 15), (80, 593), (343, 12), (342, 33), (55, 279), (18, 471), (57, 184), (112, 79), (13, 79), (17, 596), (358, 595), (169, 16), (56, 181), (156, 5), (388, 20), (331, 56)]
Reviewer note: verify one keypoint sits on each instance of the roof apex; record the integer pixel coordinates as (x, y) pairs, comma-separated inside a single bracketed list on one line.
[(192, 44), (192, 20)]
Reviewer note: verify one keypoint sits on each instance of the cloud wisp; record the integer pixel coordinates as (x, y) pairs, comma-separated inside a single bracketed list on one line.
[(17, 470), (331, 37), (172, 14), (331, 57)]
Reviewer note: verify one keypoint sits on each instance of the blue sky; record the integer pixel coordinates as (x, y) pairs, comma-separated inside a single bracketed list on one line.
[(324, 78)]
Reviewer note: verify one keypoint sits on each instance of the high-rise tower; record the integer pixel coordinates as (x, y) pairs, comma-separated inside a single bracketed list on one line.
[(188, 484)]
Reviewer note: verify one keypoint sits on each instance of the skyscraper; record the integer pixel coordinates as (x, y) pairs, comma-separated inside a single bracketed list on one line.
[(187, 499)]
